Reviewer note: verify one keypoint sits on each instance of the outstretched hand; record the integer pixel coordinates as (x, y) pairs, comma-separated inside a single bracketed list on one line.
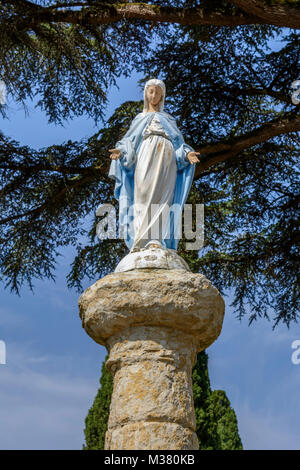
[(115, 154), (192, 156)]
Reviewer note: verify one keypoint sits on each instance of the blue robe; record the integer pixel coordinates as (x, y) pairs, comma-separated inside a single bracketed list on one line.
[(122, 171)]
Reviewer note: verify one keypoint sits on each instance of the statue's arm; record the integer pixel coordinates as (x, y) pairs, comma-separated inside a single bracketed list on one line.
[(182, 149), (181, 155), (126, 146)]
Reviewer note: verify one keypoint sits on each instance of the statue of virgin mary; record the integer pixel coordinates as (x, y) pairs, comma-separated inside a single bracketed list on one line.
[(153, 169)]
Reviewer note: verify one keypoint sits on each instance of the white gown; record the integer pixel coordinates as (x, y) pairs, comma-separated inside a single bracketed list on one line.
[(154, 183)]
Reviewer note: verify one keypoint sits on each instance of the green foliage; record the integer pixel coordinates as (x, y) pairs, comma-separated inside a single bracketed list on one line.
[(225, 86), (96, 420), (56, 188), (69, 68), (216, 423)]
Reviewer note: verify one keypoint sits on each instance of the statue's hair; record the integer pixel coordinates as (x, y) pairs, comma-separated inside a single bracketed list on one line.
[(160, 83)]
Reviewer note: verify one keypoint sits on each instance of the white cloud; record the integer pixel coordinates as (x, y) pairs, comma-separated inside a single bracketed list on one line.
[(262, 430), (42, 410)]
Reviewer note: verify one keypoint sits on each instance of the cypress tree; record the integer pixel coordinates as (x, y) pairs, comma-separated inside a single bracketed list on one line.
[(97, 418), (216, 423)]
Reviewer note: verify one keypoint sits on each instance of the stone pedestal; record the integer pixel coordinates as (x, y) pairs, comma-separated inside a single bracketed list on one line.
[(153, 323)]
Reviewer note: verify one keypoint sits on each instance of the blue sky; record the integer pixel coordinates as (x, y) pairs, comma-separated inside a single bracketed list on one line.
[(52, 371)]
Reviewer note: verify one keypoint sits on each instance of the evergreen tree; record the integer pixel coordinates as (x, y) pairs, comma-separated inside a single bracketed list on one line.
[(97, 418), (231, 96), (216, 423)]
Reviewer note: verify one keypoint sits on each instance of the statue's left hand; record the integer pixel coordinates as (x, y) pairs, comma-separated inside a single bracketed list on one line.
[(115, 154), (192, 156)]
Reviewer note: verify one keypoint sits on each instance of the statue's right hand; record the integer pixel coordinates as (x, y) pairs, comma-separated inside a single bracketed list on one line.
[(115, 154)]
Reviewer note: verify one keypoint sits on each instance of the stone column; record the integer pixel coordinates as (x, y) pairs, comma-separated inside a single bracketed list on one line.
[(153, 323)]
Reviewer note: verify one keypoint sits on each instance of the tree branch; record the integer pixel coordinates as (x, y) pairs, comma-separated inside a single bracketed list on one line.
[(253, 91), (38, 210), (224, 151), (278, 14), (103, 13), (65, 170)]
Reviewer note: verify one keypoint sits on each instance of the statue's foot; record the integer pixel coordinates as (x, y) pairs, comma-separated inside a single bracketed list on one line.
[(154, 243), (153, 255), (150, 244)]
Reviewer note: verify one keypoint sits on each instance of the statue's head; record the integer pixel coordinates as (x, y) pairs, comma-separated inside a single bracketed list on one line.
[(157, 89)]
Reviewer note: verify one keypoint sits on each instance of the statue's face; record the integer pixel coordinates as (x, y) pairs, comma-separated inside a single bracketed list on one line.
[(154, 94)]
